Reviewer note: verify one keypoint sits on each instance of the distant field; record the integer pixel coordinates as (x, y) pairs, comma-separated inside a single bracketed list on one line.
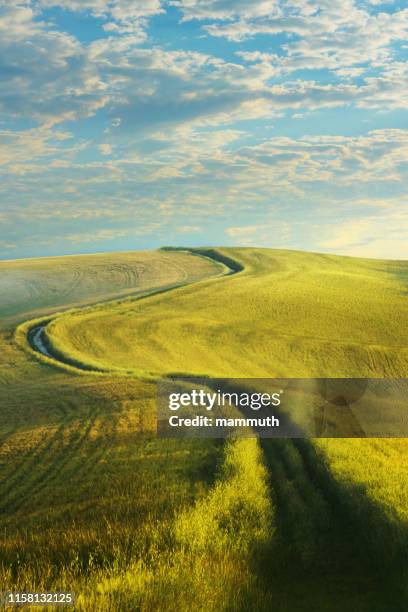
[(31, 287), (91, 500), (287, 314)]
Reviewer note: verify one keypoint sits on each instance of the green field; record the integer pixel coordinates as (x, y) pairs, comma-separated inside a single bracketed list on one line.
[(31, 287), (287, 314), (91, 500)]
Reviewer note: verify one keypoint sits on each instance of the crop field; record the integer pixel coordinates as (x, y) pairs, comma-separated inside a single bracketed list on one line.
[(31, 287), (287, 314), (92, 501)]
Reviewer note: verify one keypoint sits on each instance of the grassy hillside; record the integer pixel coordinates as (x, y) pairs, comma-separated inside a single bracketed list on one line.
[(31, 287), (87, 492), (287, 314), (91, 500)]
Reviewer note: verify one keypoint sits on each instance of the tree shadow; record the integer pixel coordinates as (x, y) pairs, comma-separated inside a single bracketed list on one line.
[(335, 548)]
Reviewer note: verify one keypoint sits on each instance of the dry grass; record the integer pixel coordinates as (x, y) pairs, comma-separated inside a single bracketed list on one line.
[(32, 287), (91, 500), (288, 314)]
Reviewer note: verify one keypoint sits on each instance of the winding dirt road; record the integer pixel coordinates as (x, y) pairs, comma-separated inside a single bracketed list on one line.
[(36, 335)]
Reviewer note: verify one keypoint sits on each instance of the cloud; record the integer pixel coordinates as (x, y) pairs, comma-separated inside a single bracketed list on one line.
[(7, 245), (268, 234), (225, 9), (322, 34), (148, 87), (105, 149), (382, 235), (188, 229), (243, 232), (96, 236), (42, 71), (120, 9), (206, 173), (377, 157), (133, 125), (122, 16), (25, 145)]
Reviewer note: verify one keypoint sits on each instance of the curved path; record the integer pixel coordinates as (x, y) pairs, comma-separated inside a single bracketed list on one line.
[(36, 340), (36, 335)]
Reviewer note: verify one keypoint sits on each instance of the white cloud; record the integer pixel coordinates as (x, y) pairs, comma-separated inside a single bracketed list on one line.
[(378, 156), (335, 34), (188, 229), (96, 236), (225, 9), (178, 120), (7, 245), (149, 87), (25, 145), (383, 235), (268, 234), (122, 16), (42, 71), (105, 149)]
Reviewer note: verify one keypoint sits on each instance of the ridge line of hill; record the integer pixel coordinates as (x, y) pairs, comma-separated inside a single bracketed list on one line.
[(34, 338)]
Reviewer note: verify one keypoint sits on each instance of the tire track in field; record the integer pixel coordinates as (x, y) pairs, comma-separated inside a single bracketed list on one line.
[(74, 282), (303, 511), (29, 460), (319, 544), (71, 455), (54, 459)]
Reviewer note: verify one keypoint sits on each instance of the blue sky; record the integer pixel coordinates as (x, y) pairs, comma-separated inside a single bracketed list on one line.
[(131, 124)]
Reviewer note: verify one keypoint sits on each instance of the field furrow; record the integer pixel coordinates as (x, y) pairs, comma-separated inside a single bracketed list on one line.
[(91, 499)]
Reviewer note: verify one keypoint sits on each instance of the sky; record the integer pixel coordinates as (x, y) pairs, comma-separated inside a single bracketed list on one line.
[(133, 124)]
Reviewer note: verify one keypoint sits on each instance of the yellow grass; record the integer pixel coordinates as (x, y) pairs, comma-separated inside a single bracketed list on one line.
[(32, 287), (91, 500), (287, 314)]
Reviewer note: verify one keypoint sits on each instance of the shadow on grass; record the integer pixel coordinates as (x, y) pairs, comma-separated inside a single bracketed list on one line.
[(86, 475), (335, 549)]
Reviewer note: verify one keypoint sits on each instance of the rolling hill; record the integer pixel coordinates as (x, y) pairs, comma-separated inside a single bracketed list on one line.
[(92, 500), (286, 314), (31, 287)]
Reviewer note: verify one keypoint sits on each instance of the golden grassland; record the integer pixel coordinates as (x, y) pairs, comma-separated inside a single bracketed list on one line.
[(91, 500), (32, 287), (287, 314), (86, 488)]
